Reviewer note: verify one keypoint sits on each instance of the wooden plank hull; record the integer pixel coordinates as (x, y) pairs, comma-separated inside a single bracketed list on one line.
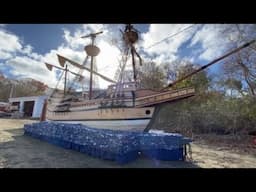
[(109, 118), (127, 125), (91, 112)]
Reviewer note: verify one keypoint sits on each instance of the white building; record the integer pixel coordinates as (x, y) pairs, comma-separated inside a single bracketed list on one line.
[(29, 106), (3, 105)]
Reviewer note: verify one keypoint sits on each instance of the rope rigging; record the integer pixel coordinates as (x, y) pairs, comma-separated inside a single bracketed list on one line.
[(170, 36)]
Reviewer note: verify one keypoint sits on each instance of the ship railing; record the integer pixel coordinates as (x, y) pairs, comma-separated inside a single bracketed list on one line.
[(164, 97)]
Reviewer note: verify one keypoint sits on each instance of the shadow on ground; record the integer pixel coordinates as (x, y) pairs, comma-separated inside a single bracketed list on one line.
[(26, 152)]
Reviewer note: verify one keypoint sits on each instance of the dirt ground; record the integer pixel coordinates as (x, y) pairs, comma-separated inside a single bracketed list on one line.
[(226, 151), (19, 151)]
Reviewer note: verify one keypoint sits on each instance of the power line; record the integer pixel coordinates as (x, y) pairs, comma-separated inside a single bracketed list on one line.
[(170, 36)]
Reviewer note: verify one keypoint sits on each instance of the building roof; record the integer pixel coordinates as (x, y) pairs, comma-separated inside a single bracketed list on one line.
[(29, 98), (3, 103)]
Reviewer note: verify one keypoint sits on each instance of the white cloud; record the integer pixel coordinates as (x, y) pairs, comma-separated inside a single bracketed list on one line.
[(168, 49), (5, 55), (208, 41), (31, 64), (73, 41), (92, 28), (9, 42), (106, 61), (164, 58), (29, 68), (27, 49), (212, 40), (22, 60), (189, 59), (28, 64)]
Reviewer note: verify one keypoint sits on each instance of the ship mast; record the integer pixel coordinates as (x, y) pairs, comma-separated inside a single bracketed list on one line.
[(66, 70), (130, 36), (92, 51), (65, 80)]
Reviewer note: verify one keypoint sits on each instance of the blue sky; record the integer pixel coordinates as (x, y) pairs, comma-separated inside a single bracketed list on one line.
[(43, 37), (25, 47)]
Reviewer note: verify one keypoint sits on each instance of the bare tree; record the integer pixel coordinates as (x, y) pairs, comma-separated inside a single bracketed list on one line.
[(242, 66), (151, 76)]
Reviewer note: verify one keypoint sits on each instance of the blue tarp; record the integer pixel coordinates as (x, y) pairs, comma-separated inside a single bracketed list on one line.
[(119, 146)]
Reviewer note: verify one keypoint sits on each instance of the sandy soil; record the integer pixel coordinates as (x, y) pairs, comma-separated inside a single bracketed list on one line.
[(226, 151), (19, 151), (206, 156)]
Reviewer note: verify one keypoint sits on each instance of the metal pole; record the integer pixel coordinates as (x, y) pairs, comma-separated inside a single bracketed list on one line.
[(90, 92), (66, 70), (133, 66)]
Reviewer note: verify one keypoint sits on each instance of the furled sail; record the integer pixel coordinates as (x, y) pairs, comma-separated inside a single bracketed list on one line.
[(48, 66), (64, 59)]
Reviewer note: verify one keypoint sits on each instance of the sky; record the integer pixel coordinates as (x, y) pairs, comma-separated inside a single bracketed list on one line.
[(24, 48)]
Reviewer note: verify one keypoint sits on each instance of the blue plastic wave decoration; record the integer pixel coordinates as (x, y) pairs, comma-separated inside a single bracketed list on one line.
[(119, 146)]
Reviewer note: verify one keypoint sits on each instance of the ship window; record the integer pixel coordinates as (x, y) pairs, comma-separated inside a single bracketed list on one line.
[(147, 112)]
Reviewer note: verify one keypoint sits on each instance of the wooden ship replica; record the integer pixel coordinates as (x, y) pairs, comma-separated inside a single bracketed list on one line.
[(124, 105)]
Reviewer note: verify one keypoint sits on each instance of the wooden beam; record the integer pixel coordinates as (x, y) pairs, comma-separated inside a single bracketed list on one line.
[(85, 68)]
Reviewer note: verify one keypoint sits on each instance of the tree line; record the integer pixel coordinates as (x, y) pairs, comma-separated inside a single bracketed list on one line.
[(20, 88), (225, 102)]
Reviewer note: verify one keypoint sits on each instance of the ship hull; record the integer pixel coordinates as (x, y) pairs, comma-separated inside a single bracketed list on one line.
[(127, 125), (135, 119)]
